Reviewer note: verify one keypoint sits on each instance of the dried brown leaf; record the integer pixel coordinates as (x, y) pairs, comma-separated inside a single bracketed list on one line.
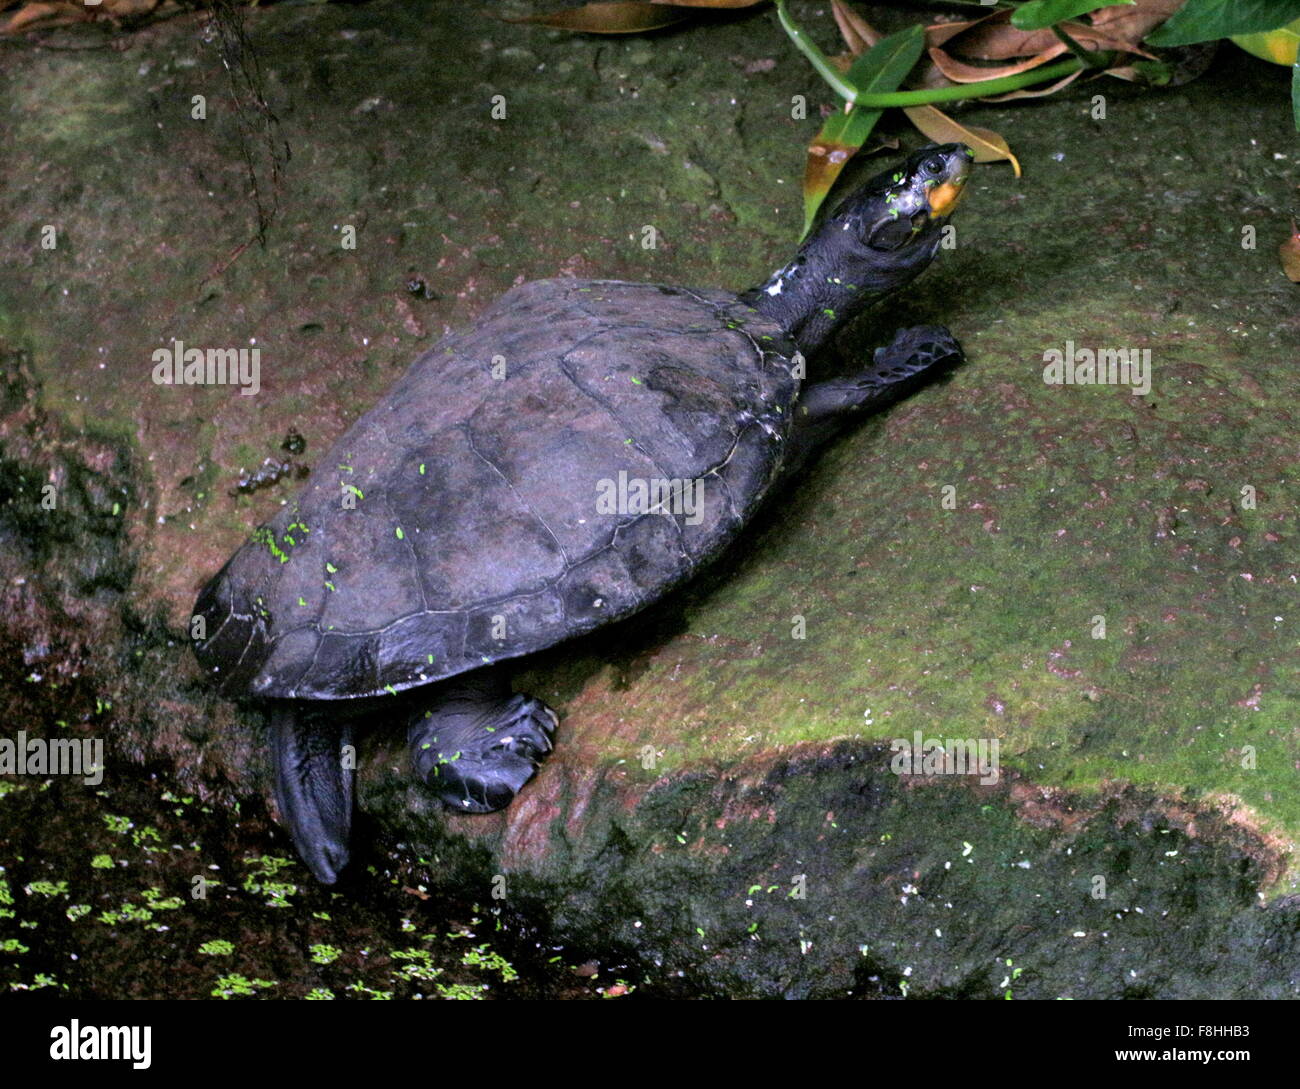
[(1040, 92), (1097, 40), (927, 76), (961, 72), (938, 33), (995, 39), (827, 158), (613, 17), (988, 146), (42, 14), (1125, 72), (49, 14), (1132, 22), (858, 34)]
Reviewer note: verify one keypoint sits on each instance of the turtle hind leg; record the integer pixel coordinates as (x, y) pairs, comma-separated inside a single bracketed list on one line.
[(477, 743), (314, 787)]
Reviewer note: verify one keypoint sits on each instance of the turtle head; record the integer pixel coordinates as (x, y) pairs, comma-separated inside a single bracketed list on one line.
[(879, 239), (897, 215)]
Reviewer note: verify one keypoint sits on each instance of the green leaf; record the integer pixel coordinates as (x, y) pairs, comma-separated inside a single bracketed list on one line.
[(883, 67), (1040, 14), (1295, 93), (1206, 20), (1157, 73)]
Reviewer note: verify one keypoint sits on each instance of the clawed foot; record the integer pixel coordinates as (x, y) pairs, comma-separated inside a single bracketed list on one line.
[(477, 755), (912, 351), (825, 407)]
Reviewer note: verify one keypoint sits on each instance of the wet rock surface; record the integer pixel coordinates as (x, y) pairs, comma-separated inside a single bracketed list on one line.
[(721, 803)]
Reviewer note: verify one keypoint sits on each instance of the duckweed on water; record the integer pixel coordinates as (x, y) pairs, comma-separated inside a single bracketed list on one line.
[(325, 954), (362, 991), (139, 889), (218, 947), (460, 992), (267, 867), (141, 920), (419, 966), (233, 985), (481, 957)]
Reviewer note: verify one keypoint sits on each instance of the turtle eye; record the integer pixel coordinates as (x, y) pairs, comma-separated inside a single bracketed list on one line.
[(933, 166)]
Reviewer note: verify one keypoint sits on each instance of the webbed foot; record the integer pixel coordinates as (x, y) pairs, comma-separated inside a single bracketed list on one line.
[(825, 408), (315, 774), (479, 744), (910, 352)]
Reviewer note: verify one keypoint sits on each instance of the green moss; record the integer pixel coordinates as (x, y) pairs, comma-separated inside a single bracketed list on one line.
[(1070, 502)]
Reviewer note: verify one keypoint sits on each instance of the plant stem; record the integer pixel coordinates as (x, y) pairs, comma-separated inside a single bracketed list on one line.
[(1091, 59), (882, 100), (815, 56), (971, 90)]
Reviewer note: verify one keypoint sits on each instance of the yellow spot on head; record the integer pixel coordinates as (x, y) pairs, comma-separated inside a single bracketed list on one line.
[(943, 198)]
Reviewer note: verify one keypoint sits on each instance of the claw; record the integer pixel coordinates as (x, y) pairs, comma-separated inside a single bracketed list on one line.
[(477, 754)]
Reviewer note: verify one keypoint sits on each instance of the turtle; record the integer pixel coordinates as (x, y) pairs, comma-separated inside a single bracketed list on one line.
[(582, 449)]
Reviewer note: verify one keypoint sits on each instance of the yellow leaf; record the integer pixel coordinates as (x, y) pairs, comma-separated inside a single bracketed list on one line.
[(1289, 253), (1279, 46), (988, 146)]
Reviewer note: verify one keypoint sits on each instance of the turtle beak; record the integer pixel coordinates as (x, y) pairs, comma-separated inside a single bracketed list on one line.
[(943, 197)]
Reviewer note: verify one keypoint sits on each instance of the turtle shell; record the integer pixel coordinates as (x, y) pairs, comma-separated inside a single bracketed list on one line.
[(514, 489)]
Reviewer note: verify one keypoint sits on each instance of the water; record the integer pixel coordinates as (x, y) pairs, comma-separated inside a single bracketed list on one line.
[(136, 888)]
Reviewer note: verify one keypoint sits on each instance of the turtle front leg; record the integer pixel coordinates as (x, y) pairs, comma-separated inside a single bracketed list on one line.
[(315, 772), (826, 408), (477, 743)]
